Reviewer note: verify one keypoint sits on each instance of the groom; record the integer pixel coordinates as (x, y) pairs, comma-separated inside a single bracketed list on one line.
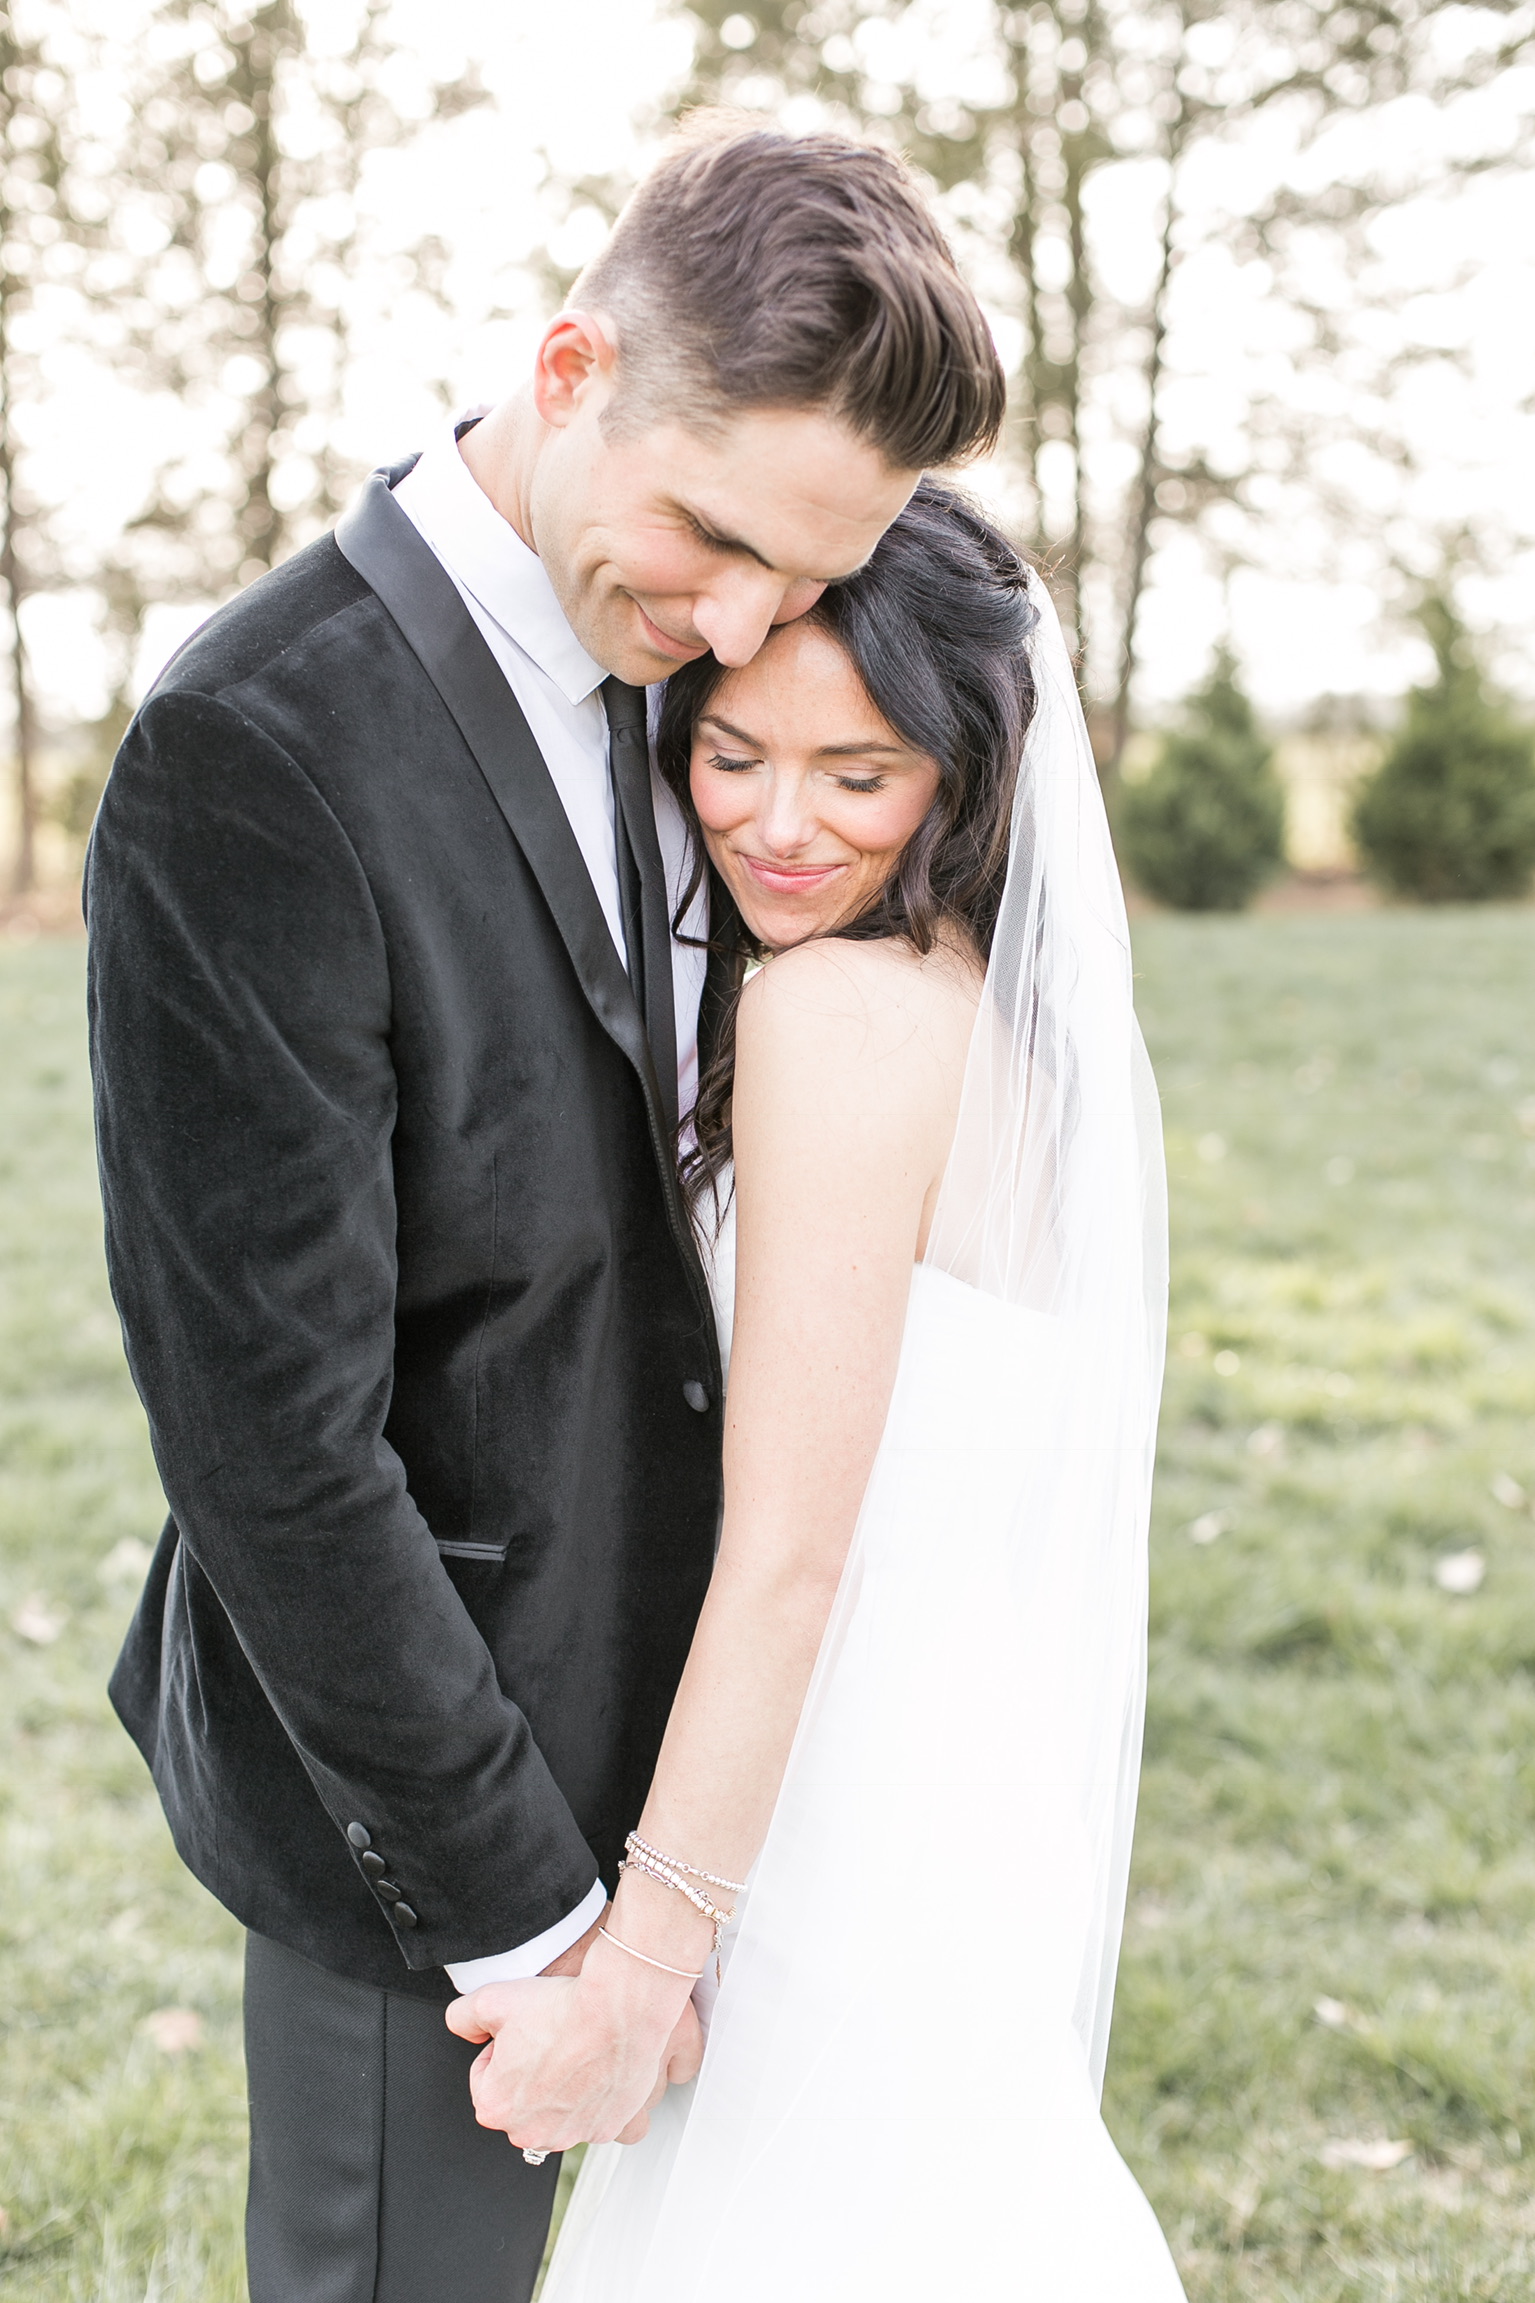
[(391, 1034)]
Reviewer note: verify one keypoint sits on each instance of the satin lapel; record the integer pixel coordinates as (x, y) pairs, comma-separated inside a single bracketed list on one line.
[(389, 554), (630, 753)]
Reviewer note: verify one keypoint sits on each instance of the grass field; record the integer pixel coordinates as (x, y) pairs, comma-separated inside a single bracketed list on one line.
[(1339, 1806)]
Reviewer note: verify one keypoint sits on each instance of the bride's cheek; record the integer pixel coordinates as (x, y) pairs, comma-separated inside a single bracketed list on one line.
[(882, 836), (720, 802)]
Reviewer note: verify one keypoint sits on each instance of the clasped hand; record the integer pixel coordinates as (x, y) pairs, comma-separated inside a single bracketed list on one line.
[(576, 2059)]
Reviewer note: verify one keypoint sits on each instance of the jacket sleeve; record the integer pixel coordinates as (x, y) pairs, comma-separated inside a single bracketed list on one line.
[(245, 1099)]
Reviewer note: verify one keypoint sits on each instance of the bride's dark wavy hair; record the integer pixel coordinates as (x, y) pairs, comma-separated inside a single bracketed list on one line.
[(934, 625)]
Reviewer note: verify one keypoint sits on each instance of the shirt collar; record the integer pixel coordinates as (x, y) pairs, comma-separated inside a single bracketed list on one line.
[(488, 557)]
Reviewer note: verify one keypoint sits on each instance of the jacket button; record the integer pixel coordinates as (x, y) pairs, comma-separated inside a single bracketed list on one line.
[(404, 1915), (374, 1865), (359, 1835), (695, 1395), (387, 1889)]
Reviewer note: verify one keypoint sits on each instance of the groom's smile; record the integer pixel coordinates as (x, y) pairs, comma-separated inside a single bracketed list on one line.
[(664, 644)]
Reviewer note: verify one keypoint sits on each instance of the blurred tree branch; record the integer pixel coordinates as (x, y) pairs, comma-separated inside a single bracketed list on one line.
[(253, 135), (1022, 139), (201, 239), (39, 130)]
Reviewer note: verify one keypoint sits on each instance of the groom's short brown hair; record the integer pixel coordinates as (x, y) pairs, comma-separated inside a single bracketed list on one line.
[(754, 269)]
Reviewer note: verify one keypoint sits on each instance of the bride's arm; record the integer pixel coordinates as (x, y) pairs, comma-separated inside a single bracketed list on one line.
[(843, 1108), (847, 1076)]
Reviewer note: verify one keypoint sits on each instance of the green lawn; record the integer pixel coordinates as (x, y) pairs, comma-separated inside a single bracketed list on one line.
[(1340, 1789), (1339, 1802), (118, 2162)]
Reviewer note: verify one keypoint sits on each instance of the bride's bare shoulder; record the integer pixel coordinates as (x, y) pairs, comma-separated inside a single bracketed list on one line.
[(848, 1007)]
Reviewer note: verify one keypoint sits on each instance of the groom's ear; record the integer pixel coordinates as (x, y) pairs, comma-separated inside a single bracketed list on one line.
[(576, 359)]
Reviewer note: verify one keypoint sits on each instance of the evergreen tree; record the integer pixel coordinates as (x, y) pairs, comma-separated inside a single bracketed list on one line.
[(1206, 827), (1450, 813)]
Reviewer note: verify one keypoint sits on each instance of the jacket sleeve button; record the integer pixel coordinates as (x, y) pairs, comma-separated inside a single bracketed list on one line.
[(404, 1915), (359, 1835), (387, 1889), (373, 1865), (695, 1395)]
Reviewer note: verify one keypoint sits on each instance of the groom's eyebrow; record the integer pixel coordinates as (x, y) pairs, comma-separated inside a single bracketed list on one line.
[(712, 536), (713, 720), (708, 533)]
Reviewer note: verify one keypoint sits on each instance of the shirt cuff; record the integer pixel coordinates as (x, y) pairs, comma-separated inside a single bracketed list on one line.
[(531, 1958)]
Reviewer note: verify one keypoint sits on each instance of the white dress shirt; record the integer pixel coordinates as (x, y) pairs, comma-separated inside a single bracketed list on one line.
[(504, 586)]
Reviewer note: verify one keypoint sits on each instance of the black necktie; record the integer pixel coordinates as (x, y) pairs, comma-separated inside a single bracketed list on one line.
[(642, 882)]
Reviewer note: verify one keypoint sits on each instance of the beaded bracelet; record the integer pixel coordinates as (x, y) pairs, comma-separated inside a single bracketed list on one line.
[(713, 1879)]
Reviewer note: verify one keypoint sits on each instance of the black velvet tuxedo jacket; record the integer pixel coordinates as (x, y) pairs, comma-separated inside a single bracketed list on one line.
[(408, 1289)]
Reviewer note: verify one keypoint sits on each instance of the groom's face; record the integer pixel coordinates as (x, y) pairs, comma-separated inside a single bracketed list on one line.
[(674, 542)]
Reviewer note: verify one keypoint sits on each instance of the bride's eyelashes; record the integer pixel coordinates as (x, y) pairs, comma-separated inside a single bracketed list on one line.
[(731, 766)]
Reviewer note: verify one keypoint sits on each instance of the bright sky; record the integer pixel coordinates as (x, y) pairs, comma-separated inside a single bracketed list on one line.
[(1312, 617)]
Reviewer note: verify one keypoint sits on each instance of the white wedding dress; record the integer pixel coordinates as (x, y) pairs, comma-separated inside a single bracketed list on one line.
[(899, 2096)]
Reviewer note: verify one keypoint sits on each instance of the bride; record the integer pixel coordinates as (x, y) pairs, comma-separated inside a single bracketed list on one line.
[(884, 1854)]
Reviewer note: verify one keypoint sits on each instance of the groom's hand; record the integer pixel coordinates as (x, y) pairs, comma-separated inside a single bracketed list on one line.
[(580, 2059)]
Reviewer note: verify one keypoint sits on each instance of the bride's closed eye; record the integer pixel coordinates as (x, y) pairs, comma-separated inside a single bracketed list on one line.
[(734, 764)]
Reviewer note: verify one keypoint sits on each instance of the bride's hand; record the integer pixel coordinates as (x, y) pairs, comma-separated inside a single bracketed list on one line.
[(684, 2053), (581, 2059)]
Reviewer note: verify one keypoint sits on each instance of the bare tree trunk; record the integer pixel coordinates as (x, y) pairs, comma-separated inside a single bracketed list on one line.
[(1079, 304), (1144, 500), (1053, 167), (1021, 250), (24, 875), (25, 870), (261, 46)]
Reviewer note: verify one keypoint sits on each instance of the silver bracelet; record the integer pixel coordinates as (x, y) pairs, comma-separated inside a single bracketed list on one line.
[(688, 1974), (675, 1863)]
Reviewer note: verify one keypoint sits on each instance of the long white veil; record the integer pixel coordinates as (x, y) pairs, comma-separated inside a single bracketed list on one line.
[(900, 2094), (1055, 1201)]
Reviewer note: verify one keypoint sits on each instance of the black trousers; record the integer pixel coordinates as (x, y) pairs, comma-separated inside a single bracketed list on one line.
[(370, 2181)]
